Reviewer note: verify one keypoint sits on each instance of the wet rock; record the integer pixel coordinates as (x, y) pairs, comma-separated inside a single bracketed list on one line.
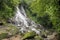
[(40, 26), (8, 21), (44, 36), (1, 23)]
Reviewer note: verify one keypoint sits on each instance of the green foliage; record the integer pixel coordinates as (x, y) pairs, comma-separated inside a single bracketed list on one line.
[(45, 12), (7, 8), (29, 35), (32, 35)]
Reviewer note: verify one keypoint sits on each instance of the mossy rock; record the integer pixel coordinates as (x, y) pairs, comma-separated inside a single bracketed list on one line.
[(12, 29), (38, 38), (29, 35)]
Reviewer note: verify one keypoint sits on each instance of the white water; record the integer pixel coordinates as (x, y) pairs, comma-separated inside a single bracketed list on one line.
[(25, 24), (20, 18)]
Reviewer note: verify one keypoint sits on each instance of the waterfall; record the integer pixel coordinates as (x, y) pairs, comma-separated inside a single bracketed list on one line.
[(20, 18), (24, 23)]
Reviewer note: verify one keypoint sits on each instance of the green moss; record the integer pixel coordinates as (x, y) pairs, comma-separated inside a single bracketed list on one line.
[(3, 35), (29, 35), (38, 38)]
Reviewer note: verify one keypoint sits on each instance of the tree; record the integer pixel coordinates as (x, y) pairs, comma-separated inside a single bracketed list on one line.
[(8, 8)]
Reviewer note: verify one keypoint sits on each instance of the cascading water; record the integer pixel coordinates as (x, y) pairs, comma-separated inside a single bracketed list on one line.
[(25, 24), (20, 18)]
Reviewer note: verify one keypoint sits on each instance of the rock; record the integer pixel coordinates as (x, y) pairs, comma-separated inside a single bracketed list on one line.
[(16, 37), (54, 36), (44, 36), (38, 37), (8, 21), (40, 26), (1, 23)]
